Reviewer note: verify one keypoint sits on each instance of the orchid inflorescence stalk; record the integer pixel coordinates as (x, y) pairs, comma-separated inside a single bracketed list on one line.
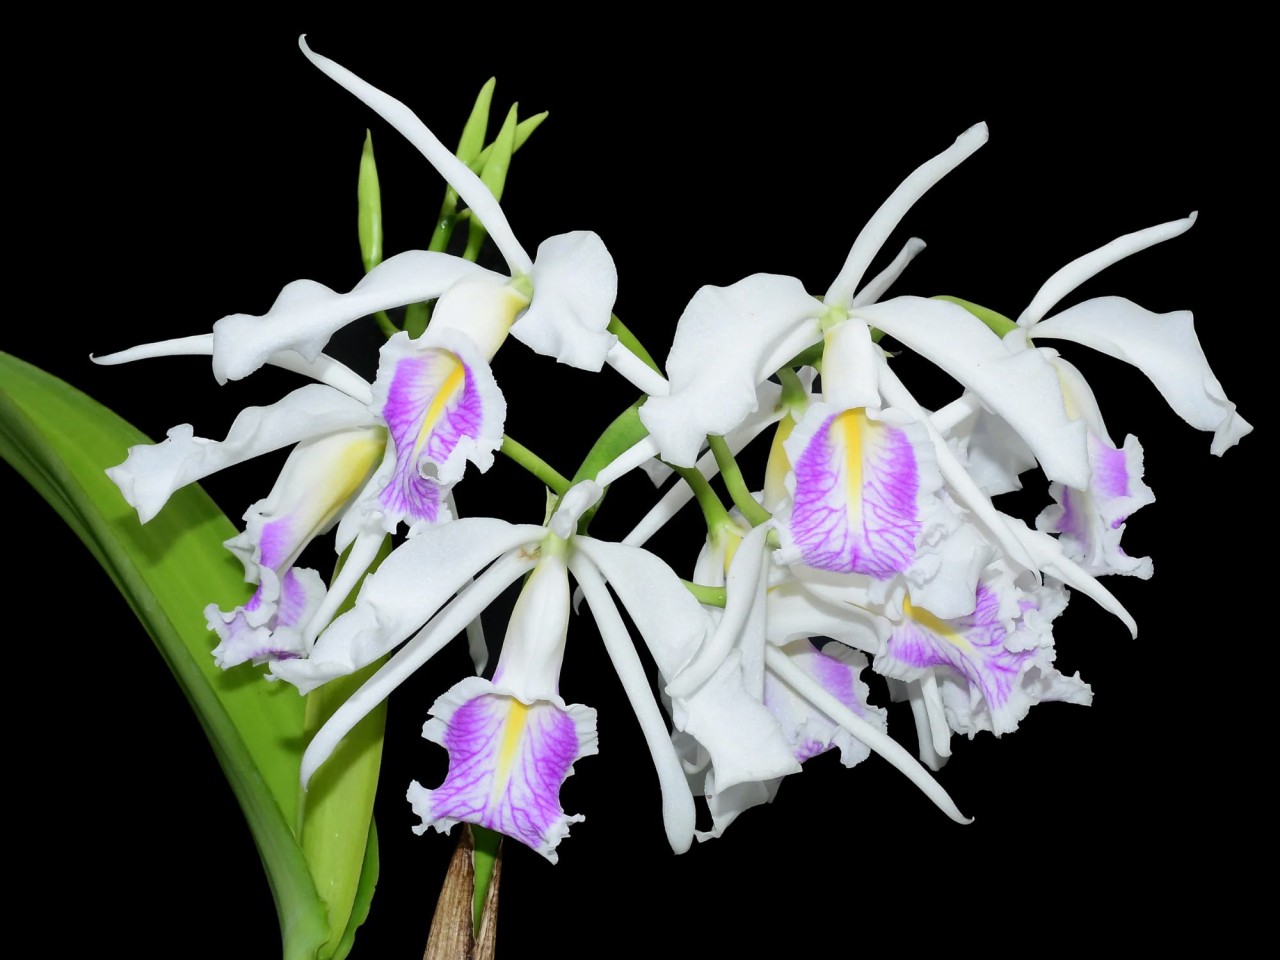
[(870, 546)]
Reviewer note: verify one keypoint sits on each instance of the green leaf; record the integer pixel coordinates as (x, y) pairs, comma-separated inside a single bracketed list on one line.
[(494, 176), (337, 808), (169, 570), (364, 894)]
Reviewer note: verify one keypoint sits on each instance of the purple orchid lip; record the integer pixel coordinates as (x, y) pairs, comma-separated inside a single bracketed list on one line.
[(507, 762), (442, 407), (857, 499)]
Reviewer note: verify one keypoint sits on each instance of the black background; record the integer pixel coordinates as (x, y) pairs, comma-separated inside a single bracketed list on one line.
[(190, 179)]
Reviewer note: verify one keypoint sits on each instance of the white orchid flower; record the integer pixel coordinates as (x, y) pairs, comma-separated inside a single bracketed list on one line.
[(1090, 517), (865, 494), (338, 443)]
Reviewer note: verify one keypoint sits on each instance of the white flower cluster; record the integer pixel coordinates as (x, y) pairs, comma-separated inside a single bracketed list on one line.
[(870, 545)]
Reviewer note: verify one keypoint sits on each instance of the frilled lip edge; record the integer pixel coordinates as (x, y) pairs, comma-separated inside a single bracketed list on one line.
[(507, 762)]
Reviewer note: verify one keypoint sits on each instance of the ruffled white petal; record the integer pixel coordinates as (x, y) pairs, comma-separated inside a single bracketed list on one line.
[(728, 341), (574, 286), (306, 314), (1021, 386), (1164, 347), (152, 472)]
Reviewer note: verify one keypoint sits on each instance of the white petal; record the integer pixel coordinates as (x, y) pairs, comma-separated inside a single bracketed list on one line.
[(306, 314), (152, 472), (672, 622), (678, 812), (1091, 264), (429, 641), (1165, 348), (728, 341), (406, 590), (891, 212), (634, 456), (470, 187), (1021, 386), (574, 286)]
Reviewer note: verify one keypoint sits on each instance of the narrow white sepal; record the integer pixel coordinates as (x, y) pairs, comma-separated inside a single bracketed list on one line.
[(1091, 264), (638, 373), (323, 368), (1048, 556), (882, 281), (962, 486), (457, 174), (939, 732), (363, 551), (890, 214), (875, 739), (740, 596), (631, 458), (919, 714), (678, 813), (426, 644)]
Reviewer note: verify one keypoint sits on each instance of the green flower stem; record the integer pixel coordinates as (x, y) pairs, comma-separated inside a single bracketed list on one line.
[(808, 357), (535, 465), (629, 340), (793, 394), (742, 497), (712, 596), (625, 432), (998, 322), (487, 846), (713, 510), (385, 324)]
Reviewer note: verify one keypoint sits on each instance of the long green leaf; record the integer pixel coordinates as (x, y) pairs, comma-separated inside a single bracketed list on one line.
[(337, 808), (169, 570)]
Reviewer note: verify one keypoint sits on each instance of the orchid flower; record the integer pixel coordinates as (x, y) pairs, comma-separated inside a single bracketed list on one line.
[(338, 444), (869, 465), (1090, 518)]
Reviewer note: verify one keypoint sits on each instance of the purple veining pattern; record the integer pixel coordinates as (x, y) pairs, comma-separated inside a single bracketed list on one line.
[(278, 636), (1091, 522), (415, 386), (275, 542), (973, 647), (507, 762), (875, 536), (808, 730)]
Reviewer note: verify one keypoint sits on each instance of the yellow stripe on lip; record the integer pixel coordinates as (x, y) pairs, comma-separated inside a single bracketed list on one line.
[(850, 424), (435, 410), (936, 626), (512, 734)]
